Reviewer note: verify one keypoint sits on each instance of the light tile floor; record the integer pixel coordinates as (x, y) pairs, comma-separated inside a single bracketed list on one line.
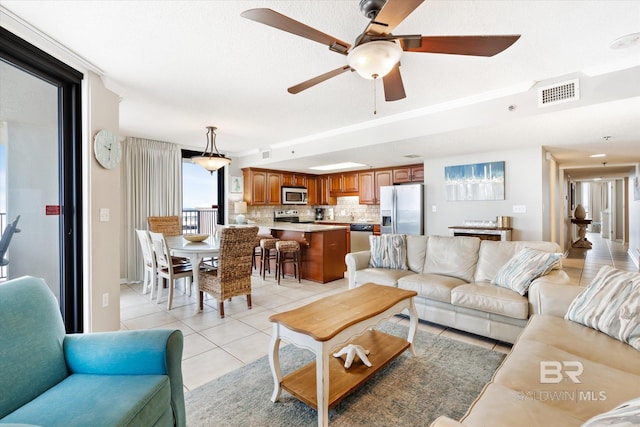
[(214, 346)]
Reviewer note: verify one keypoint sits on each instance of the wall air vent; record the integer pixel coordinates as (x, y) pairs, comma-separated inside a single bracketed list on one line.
[(265, 154), (558, 93)]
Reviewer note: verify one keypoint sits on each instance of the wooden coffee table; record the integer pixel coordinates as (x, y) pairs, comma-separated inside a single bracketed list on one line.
[(327, 325)]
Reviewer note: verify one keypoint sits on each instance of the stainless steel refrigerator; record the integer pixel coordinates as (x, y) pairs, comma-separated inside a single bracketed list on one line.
[(402, 209)]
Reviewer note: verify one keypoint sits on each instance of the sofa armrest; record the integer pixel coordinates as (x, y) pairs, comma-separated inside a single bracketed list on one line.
[(443, 421), (552, 298), (148, 352), (356, 261)]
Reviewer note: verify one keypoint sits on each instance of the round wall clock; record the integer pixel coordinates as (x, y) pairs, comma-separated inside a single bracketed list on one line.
[(107, 149)]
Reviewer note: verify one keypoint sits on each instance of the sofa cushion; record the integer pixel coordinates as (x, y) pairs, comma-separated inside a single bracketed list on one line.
[(416, 252), (452, 256), (610, 304), (493, 299), (492, 256), (381, 276), (517, 396), (541, 245), (388, 251), (122, 400), (432, 286), (523, 268)]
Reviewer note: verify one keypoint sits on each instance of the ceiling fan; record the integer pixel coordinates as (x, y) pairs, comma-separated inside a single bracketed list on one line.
[(376, 52)]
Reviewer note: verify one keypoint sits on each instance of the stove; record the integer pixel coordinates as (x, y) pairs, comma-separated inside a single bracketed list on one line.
[(290, 215)]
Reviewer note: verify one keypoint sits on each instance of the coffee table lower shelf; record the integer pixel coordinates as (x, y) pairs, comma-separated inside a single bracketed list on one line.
[(383, 349)]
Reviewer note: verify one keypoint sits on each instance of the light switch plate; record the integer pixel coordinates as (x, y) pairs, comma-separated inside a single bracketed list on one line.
[(519, 208), (104, 214)]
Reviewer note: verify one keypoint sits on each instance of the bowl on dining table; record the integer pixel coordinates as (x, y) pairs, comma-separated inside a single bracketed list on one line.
[(195, 237)]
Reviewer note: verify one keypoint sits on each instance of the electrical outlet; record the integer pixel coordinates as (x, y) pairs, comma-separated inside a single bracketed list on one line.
[(434, 208), (105, 300), (519, 208)]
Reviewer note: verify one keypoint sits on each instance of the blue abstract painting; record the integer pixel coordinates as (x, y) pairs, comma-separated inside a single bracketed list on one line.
[(479, 181)]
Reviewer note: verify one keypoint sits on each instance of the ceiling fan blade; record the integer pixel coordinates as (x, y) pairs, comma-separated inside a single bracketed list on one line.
[(391, 15), (318, 79), (393, 86), (462, 45), (284, 23)]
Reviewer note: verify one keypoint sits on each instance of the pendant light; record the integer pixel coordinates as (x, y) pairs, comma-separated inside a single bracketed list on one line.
[(210, 160)]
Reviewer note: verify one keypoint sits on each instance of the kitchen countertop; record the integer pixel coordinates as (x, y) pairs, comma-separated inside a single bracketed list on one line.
[(305, 228), (350, 221)]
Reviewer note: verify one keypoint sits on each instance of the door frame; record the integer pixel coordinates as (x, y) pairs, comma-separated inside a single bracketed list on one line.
[(30, 59)]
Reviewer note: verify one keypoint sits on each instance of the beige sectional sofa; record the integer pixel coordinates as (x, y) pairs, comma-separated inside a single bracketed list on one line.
[(559, 373), (453, 275)]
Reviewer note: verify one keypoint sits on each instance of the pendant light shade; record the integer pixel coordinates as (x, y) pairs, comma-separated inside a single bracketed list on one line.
[(374, 59), (211, 159)]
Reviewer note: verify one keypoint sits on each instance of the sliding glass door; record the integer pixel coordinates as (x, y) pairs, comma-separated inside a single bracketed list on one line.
[(40, 180)]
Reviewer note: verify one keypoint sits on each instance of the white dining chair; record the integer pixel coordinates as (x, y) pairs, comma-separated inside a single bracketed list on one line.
[(167, 269), (149, 278)]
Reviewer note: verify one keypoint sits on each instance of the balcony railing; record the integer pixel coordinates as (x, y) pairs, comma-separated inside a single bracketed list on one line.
[(199, 221)]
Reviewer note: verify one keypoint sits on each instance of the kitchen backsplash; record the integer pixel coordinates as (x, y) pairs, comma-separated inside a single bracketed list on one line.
[(347, 209)]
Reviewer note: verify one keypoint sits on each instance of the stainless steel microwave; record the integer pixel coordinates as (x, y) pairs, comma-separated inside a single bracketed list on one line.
[(294, 195)]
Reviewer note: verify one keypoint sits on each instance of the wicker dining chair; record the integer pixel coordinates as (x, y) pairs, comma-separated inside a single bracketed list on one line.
[(167, 225), (233, 275)]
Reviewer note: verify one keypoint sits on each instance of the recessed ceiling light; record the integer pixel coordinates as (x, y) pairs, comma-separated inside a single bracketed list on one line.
[(335, 166), (625, 42), (598, 155)]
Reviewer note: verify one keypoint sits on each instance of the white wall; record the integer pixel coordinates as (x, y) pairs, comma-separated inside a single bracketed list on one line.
[(102, 190), (523, 186)]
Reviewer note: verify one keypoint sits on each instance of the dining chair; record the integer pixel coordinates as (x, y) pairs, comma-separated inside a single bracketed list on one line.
[(149, 261), (233, 275), (167, 225), (168, 269)]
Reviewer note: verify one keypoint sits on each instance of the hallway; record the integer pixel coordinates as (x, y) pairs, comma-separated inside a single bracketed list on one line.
[(582, 265)]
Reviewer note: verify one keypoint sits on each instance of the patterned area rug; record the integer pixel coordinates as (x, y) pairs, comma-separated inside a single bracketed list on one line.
[(444, 379)]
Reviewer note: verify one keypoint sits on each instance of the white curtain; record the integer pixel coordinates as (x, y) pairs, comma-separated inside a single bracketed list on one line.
[(152, 186)]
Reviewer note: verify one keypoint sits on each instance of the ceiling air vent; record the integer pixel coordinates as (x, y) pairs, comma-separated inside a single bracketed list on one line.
[(265, 154), (559, 93)]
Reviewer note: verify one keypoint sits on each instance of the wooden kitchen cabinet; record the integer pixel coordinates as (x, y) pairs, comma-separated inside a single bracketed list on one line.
[(413, 173), (261, 187), (312, 190), (383, 178), (343, 184), (293, 180), (367, 188), (324, 197)]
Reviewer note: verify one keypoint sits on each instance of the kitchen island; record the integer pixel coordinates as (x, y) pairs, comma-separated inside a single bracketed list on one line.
[(322, 247)]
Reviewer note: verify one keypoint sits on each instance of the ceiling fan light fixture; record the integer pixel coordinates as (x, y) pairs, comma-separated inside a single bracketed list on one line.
[(374, 59), (210, 160)]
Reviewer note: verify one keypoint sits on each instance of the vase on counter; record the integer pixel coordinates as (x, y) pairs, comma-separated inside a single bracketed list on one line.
[(580, 213)]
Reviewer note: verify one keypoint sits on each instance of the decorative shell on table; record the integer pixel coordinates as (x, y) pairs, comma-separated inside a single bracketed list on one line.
[(195, 237)]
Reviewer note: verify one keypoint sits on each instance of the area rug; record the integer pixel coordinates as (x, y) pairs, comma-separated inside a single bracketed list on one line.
[(444, 379)]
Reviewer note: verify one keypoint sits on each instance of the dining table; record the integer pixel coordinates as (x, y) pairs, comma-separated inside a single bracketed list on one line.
[(195, 252)]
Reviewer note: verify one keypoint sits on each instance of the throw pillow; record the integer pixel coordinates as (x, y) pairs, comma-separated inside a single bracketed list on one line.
[(610, 304), (524, 267), (626, 414), (388, 251)]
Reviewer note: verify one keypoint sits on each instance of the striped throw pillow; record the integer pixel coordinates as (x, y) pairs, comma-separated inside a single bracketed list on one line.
[(610, 304), (524, 267), (388, 251)]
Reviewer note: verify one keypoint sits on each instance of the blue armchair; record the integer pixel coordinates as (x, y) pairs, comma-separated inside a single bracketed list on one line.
[(49, 378)]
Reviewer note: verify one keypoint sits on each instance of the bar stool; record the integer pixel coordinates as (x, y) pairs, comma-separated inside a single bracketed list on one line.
[(257, 251), (267, 253), (287, 251)]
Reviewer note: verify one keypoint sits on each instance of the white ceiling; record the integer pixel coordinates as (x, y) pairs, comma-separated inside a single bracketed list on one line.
[(182, 65)]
